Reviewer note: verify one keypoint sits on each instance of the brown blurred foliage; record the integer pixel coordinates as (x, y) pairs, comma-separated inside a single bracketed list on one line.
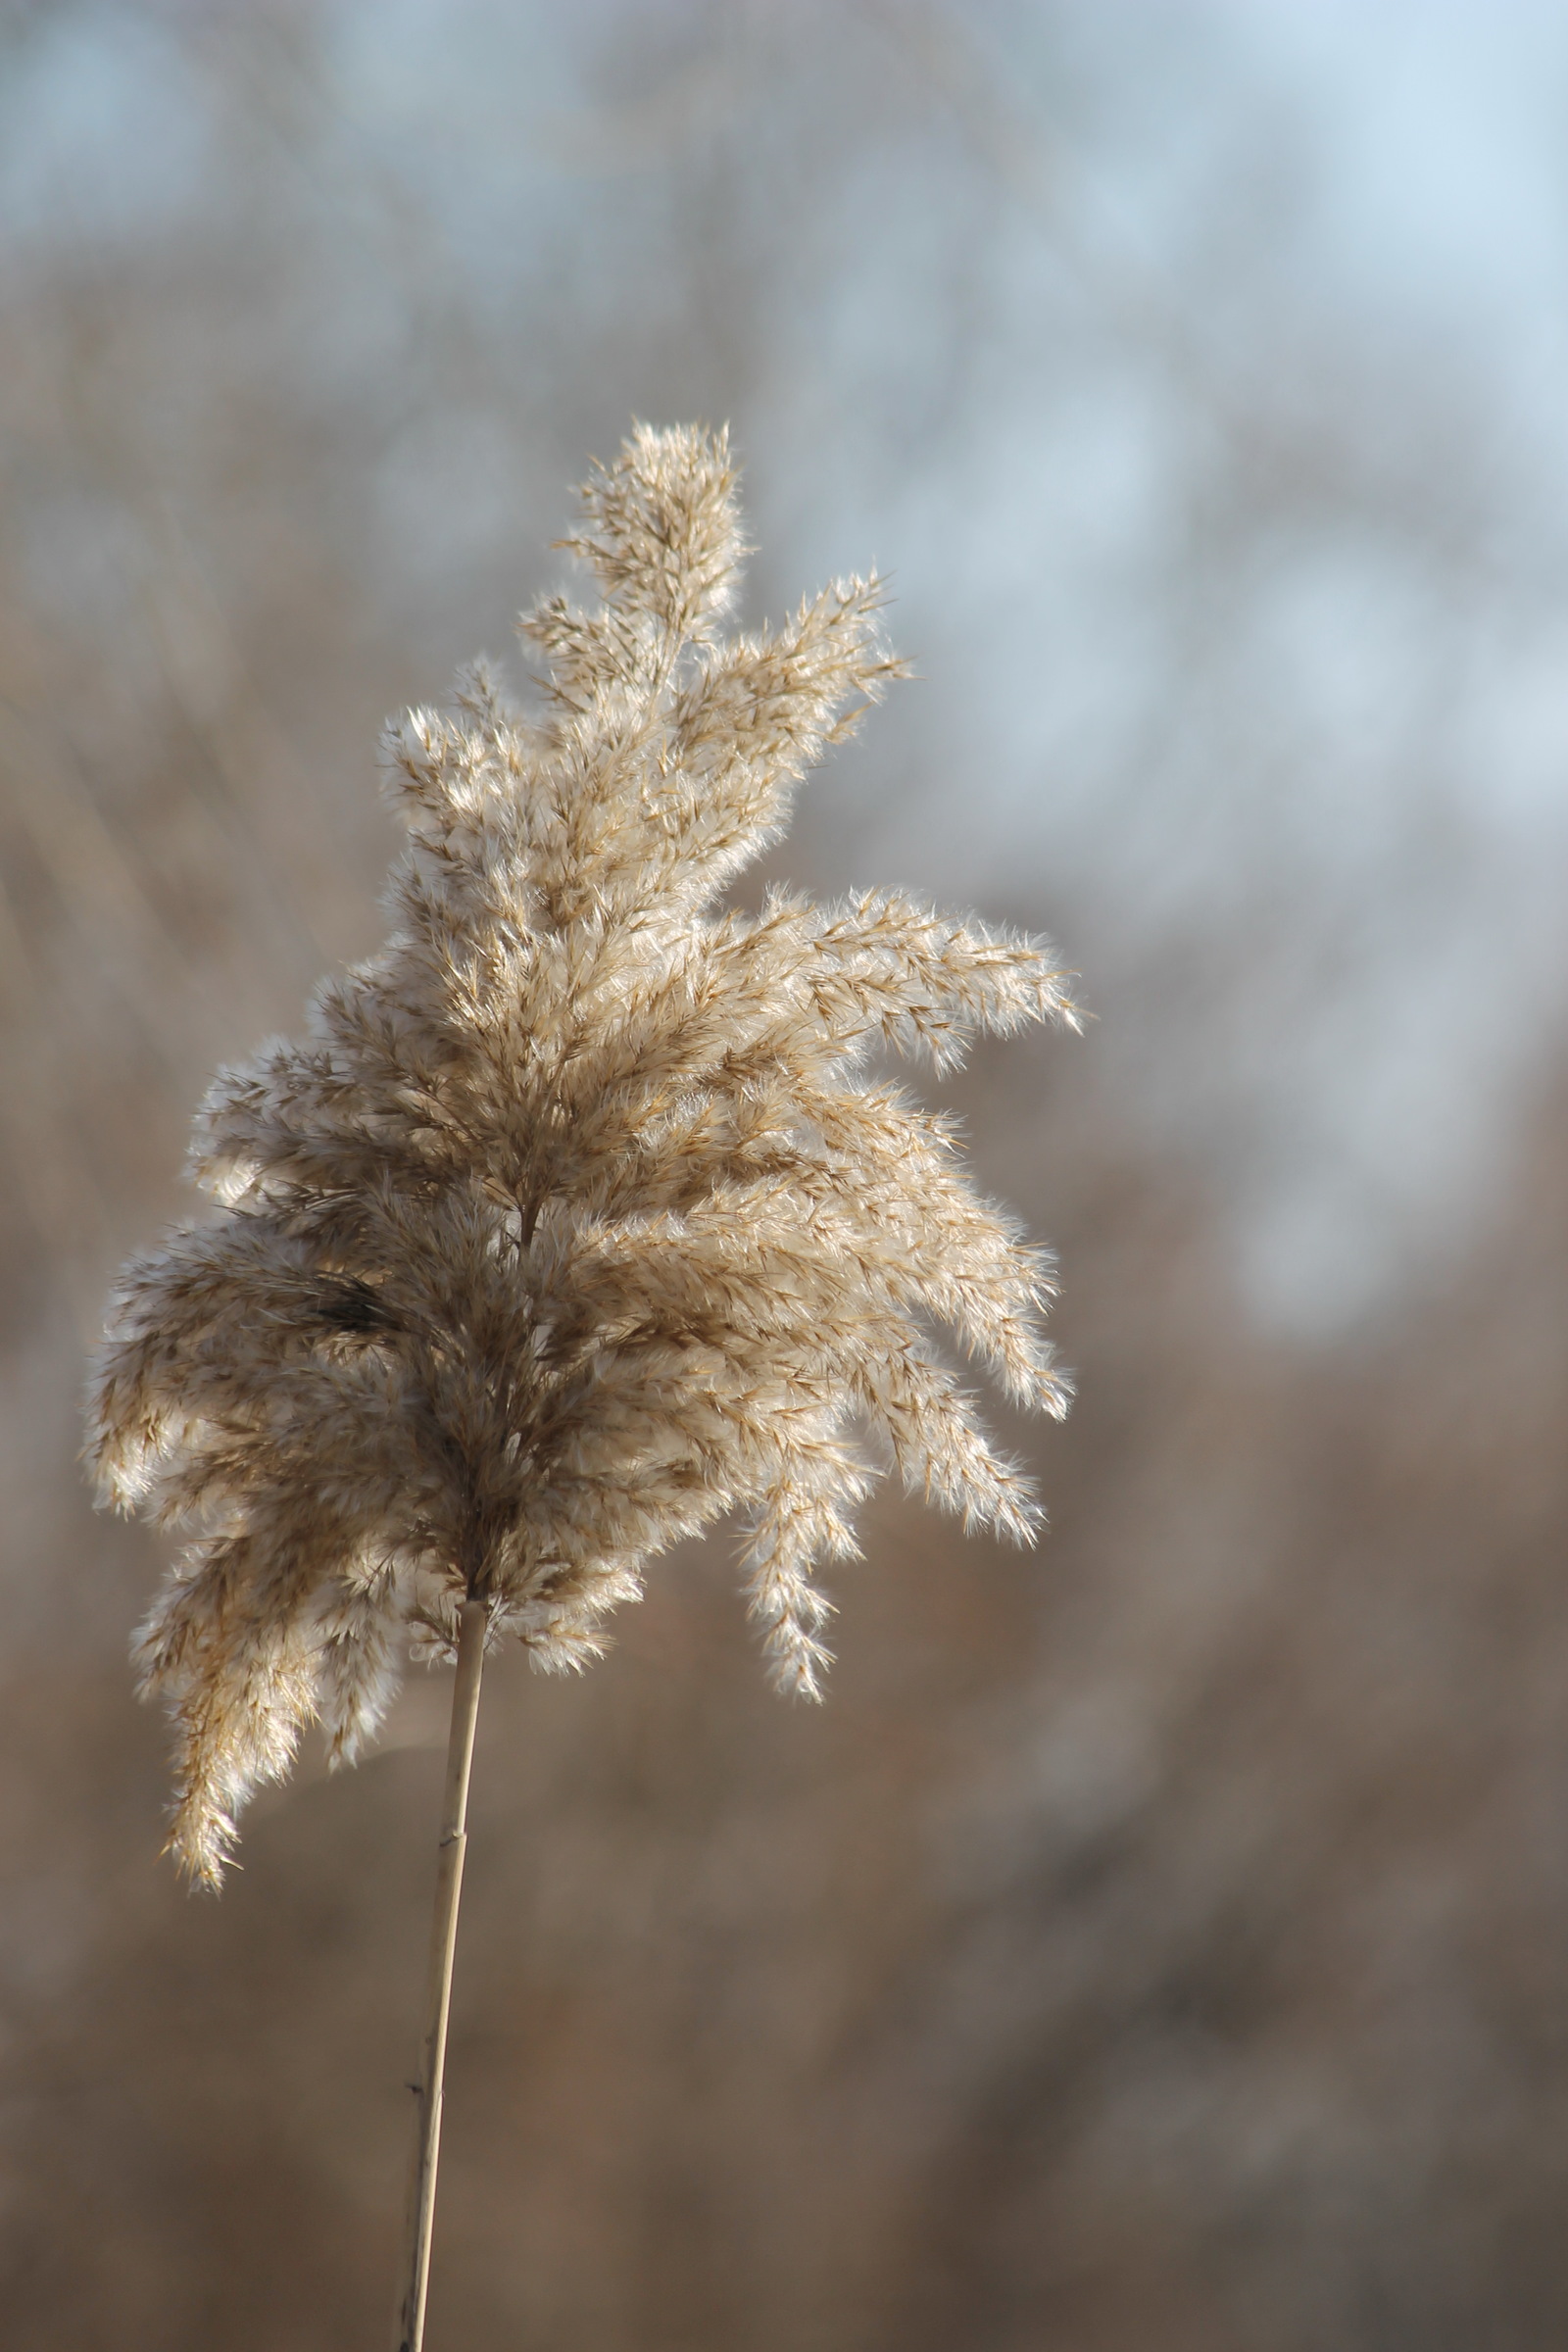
[(1162, 1940)]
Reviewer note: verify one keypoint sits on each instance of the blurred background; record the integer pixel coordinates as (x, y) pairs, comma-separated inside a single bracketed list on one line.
[(1162, 1939)]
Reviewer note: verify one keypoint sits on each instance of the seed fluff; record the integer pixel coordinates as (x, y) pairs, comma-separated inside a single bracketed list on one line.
[(581, 1217)]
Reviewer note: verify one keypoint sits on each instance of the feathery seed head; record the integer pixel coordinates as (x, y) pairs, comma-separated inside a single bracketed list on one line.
[(576, 1221)]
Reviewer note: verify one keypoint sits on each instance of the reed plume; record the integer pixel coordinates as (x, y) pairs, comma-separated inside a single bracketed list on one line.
[(575, 1222), (578, 1221)]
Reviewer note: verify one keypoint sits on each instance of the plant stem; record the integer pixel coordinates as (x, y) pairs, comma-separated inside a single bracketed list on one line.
[(410, 2334)]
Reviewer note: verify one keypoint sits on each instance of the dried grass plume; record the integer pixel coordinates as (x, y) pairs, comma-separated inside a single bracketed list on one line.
[(577, 1220)]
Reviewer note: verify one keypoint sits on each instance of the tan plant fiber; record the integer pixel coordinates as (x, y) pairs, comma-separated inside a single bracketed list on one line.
[(578, 1219)]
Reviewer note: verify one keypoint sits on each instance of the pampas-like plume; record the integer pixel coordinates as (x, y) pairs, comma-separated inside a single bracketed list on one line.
[(577, 1221)]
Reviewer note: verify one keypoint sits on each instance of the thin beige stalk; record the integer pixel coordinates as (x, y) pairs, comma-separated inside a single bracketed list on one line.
[(473, 1622)]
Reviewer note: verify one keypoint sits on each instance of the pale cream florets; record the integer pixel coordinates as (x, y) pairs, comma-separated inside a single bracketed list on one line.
[(576, 1222)]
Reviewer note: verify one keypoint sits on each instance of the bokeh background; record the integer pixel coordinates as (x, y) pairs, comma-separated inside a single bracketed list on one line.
[(1162, 1939)]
